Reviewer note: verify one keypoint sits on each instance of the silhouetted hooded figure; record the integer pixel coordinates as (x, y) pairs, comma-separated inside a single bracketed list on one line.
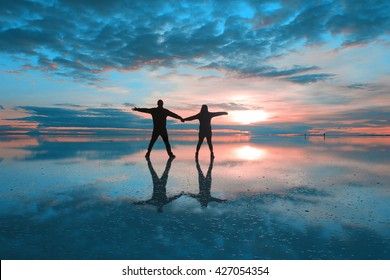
[(204, 196), (204, 117), (159, 196), (159, 115)]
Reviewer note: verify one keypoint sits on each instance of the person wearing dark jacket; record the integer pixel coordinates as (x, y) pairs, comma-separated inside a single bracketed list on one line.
[(204, 117), (159, 115)]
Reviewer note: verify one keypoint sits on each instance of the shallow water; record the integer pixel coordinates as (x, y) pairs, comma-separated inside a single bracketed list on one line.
[(261, 198)]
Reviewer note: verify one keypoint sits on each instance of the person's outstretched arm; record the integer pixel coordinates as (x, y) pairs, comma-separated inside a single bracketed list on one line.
[(194, 117), (196, 196), (143, 110), (173, 115), (216, 114), (143, 202), (217, 199), (173, 198)]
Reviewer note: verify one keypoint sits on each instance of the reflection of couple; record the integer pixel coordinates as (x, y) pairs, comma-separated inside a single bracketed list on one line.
[(204, 195), (160, 114), (159, 196)]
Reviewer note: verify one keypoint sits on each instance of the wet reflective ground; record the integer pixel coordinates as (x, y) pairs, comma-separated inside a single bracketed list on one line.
[(261, 198)]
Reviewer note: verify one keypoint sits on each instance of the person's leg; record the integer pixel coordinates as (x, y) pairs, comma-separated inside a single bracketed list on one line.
[(210, 143), (151, 143), (164, 136), (200, 141)]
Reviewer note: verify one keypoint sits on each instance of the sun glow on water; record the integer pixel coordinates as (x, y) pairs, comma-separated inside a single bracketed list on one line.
[(249, 153)]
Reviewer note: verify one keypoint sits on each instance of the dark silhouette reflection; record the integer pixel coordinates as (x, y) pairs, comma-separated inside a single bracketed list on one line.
[(204, 196), (159, 196), (204, 117), (159, 115)]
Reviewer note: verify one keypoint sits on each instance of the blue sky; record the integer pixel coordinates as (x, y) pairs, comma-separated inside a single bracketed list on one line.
[(321, 64)]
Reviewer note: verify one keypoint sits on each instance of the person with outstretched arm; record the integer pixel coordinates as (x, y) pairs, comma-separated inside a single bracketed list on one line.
[(204, 117), (159, 115)]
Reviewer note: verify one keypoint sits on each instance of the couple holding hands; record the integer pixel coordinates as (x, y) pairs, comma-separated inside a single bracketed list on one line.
[(160, 114)]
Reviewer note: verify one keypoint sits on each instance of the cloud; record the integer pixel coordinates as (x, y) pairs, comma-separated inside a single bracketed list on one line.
[(308, 24), (287, 72), (87, 118), (115, 90), (67, 105), (76, 119), (360, 21), (364, 86), (232, 106), (309, 78), (83, 39), (261, 71), (369, 116), (370, 120)]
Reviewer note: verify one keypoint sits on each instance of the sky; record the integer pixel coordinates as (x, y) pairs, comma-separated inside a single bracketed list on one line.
[(275, 66)]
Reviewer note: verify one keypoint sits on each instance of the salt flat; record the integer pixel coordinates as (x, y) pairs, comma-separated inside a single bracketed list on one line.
[(86, 197)]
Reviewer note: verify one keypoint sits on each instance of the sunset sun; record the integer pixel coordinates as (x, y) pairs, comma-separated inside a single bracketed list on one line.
[(249, 116)]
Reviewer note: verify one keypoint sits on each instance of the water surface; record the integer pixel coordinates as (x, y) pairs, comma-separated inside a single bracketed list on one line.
[(261, 198)]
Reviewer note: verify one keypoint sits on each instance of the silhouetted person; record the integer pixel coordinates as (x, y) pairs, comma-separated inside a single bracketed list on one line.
[(159, 115), (204, 117), (204, 196), (159, 196)]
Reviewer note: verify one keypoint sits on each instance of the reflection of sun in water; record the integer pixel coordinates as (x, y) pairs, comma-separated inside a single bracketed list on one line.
[(249, 116), (249, 153)]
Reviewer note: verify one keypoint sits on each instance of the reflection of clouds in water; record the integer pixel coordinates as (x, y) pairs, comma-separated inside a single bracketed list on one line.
[(297, 200), (299, 195), (112, 179), (13, 147), (329, 209), (93, 150), (306, 191), (83, 225), (66, 147)]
